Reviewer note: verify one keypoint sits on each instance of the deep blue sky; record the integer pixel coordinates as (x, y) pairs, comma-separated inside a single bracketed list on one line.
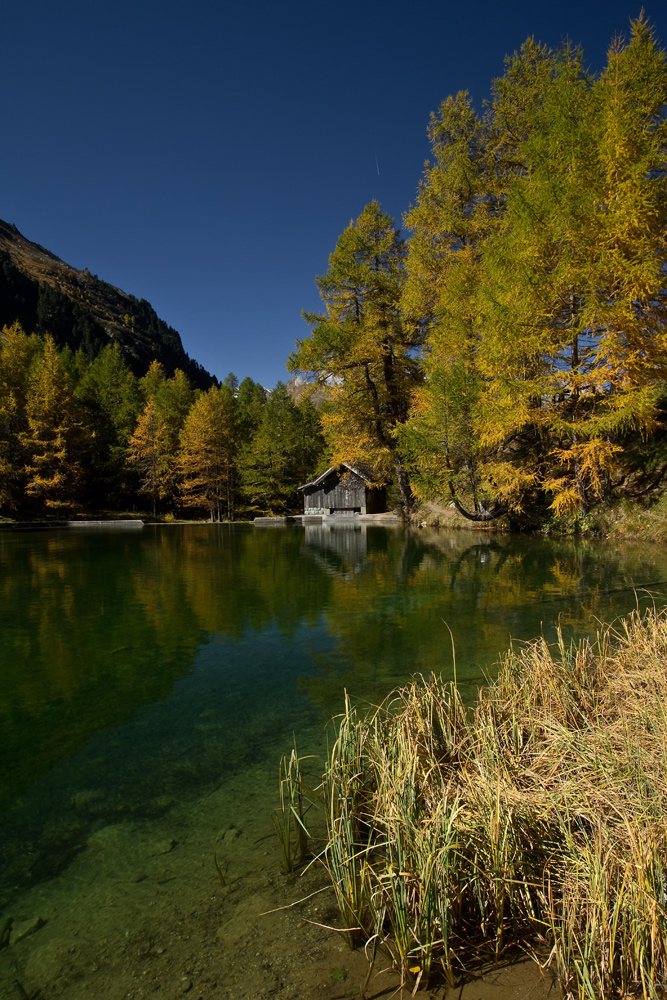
[(206, 155)]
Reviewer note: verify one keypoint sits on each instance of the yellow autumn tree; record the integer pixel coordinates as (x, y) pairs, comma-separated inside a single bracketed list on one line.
[(153, 447), (575, 344), (17, 353), (207, 454), (537, 264), (452, 220), (55, 439), (149, 449), (361, 353)]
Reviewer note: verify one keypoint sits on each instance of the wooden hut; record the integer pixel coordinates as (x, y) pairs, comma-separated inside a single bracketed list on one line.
[(344, 489)]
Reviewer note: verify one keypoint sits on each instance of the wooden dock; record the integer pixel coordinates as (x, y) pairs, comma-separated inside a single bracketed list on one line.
[(132, 523)]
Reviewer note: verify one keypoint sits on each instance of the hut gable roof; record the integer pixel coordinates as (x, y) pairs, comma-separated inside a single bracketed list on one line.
[(363, 473)]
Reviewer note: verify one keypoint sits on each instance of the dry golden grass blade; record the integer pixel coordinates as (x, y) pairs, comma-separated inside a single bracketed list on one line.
[(535, 817)]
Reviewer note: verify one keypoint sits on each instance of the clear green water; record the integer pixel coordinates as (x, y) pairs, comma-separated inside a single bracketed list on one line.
[(144, 668)]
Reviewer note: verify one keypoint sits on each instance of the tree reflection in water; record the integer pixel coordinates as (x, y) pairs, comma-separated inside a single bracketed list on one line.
[(162, 658)]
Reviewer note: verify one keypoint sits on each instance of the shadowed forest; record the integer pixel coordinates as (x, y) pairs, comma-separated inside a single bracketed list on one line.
[(82, 435)]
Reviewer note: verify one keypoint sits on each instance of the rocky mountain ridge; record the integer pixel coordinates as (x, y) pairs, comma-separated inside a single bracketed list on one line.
[(47, 295)]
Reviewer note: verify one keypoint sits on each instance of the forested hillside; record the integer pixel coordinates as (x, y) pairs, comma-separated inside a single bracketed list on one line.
[(510, 357), (80, 435), (46, 295), (101, 409)]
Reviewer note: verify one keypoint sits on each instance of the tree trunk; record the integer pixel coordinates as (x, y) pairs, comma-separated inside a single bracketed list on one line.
[(481, 514), (404, 486)]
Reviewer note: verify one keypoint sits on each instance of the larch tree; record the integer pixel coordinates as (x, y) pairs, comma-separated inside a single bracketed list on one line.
[(152, 382), (174, 401), (535, 263), (575, 345), (538, 262), (154, 444), (55, 438), (207, 454), (150, 450), (456, 211), (17, 355), (360, 352)]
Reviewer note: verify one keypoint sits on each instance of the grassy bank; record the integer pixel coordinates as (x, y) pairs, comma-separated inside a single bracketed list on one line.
[(534, 820), (627, 518)]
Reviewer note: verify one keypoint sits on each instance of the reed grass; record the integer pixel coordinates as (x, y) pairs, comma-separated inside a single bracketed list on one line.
[(289, 817), (534, 819)]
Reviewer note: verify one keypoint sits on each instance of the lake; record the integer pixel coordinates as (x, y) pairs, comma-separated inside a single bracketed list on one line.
[(152, 679)]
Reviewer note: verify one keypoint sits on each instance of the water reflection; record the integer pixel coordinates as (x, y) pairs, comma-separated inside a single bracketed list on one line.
[(390, 612), (146, 665), (89, 631), (337, 548), (94, 627)]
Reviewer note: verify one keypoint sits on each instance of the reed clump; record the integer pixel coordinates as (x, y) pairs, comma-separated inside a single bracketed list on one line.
[(534, 819), (289, 817)]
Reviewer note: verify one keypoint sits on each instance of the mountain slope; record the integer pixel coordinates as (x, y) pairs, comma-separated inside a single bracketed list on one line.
[(47, 295)]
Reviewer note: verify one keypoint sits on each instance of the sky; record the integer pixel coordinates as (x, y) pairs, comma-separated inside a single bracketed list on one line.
[(207, 155)]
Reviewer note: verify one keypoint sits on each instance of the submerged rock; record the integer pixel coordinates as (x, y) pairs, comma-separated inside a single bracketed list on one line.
[(25, 928), (164, 847), (229, 835)]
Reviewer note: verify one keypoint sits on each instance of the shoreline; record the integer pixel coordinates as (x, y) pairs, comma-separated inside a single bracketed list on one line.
[(533, 818), (141, 911), (630, 523), (139, 908)]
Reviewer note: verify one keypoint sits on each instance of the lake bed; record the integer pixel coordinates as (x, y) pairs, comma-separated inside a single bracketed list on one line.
[(151, 682)]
